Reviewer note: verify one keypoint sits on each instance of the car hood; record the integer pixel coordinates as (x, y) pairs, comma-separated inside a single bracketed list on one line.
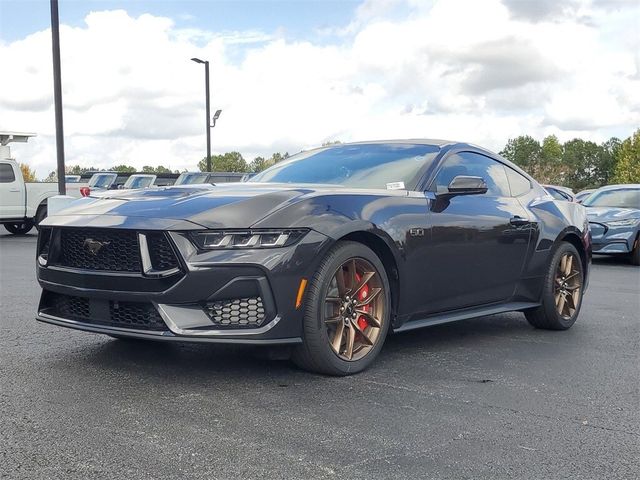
[(610, 214), (221, 206)]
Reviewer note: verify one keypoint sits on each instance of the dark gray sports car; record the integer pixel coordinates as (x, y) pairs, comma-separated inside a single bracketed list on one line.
[(328, 252)]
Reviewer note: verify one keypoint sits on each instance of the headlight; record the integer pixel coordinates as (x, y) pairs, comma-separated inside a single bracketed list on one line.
[(256, 238), (628, 222)]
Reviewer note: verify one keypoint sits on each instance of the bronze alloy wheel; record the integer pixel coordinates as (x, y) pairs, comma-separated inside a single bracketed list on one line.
[(568, 285), (354, 309)]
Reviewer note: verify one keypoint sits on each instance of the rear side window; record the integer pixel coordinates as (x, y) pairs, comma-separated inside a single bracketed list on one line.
[(6, 173), (475, 165), (519, 184)]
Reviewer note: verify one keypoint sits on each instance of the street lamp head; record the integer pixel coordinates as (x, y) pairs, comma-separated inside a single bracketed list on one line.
[(217, 114), (197, 60)]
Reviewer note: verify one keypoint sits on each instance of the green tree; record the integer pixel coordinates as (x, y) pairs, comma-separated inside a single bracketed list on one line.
[(259, 164), (606, 165), (550, 168), (78, 170), (278, 157), (627, 168), (123, 169), (581, 158), (158, 169), (227, 162), (524, 151)]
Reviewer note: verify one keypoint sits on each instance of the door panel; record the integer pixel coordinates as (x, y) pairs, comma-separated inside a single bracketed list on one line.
[(476, 252), (12, 192), (478, 243)]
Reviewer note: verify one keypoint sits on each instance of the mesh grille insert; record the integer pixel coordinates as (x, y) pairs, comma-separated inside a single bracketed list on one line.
[(237, 312), (75, 308), (160, 252), (134, 315), (100, 249)]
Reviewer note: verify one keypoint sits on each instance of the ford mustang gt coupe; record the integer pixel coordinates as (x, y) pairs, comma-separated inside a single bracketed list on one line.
[(327, 252)]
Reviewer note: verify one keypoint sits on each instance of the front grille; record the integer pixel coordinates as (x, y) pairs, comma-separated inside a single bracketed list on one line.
[(161, 253), (100, 249), (75, 308), (132, 315), (137, 315), (237, 312)]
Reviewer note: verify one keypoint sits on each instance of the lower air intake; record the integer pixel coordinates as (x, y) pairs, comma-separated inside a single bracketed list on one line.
[(131, 315), (237, 312)]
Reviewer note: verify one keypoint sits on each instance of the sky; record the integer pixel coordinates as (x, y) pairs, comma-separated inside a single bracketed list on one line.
[(290, 75)]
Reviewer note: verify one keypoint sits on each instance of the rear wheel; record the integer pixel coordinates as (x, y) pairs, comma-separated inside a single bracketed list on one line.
[(562, 291), (19, 228), (346, 312)]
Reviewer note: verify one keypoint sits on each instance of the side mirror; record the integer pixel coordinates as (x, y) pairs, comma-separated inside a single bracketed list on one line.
[(467, 185)]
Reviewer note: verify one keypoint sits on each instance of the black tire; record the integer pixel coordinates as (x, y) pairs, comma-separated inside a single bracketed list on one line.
[(315, 353), (547, 316), (19, 228), (41, 214), (634, 257)]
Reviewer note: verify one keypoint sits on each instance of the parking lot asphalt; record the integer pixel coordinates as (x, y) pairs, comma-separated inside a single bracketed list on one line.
[(485, 398)]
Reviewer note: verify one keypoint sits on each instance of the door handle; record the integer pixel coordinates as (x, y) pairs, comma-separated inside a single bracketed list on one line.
[(518, 221), (14, 191)]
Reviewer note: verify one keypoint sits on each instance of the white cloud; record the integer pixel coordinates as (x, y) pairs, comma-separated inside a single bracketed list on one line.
[(467, 70)]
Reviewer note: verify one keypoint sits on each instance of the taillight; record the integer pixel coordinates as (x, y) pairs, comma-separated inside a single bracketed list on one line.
[(85, 191)]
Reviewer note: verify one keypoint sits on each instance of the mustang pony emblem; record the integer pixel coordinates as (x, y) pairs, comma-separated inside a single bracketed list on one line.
[(94, 246)]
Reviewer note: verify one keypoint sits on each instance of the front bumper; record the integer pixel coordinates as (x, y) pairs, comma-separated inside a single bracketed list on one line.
[(254, 289), (612, 240)]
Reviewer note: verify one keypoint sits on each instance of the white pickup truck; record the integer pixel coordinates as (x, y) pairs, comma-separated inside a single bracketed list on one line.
[(22, 204)]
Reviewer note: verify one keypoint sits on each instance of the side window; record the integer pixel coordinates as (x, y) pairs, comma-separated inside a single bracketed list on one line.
[(518, 183), (556, 194), (6, 173), (475, 165)]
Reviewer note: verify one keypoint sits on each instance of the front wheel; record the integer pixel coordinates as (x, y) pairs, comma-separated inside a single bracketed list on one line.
[(562, 291), (19, 228), (347, 312)]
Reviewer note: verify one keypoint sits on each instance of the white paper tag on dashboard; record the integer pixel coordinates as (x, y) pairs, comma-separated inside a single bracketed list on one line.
[(395, 186)]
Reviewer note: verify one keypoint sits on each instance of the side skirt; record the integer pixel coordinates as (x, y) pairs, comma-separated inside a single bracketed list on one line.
[(465, 314)]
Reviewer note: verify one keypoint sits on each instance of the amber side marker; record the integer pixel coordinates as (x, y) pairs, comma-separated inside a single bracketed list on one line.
[(303, 285)]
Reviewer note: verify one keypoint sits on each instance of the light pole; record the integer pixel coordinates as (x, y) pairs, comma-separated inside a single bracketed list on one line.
[(206, 89), (57, 94)]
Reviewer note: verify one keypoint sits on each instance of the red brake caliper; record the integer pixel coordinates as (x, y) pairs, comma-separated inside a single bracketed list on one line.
[(362, 295)]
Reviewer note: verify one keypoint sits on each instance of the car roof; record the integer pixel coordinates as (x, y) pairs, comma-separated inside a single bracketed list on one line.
[(620, 186), (418, 141)]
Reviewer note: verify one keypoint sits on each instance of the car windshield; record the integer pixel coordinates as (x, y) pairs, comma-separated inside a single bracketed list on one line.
[(621, 198), (102, 181), (386, 166), (191, 178), (138, 182), (582, 195)]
